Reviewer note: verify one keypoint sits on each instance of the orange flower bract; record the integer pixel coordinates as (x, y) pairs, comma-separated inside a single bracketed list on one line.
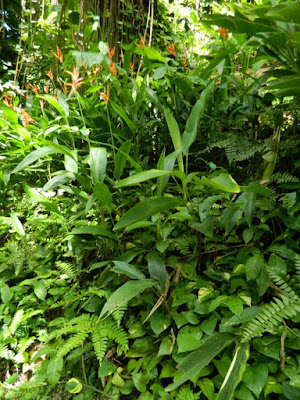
[(76, 81), (59, 56)]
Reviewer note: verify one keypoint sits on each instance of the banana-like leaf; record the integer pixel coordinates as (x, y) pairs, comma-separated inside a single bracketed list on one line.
[(223, 182), (235, 372), (147, 208), (193, 363), (98, 159), (141, 177), (175, 135)]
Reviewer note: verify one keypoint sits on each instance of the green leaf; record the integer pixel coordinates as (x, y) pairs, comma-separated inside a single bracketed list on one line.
[(147, 208), (253, 266), (235, 304), (58, 180), (206, 227), (241, 25), (140, 381), (125, 293), (235, 372), (141, 177), (92, 230), (208, 388), (223, 182), (35, 195), (34, 156), (98, 160), (51, 100), (159, 322), (71, 164), (157, 269), (124, 268), (153, 54), (124, 116), (40, 290), (6, 293), (175, 136), (159, 73), (249, 206), (193, 363), (120, 159), (190, 133), (17, 224), (102, 193), (255, 377), (277, 265), (54, 370), (10, 114)]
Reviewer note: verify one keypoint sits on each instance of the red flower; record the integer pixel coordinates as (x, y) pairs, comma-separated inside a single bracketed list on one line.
[(58, 55), (142, 44), (105, 95), (224, 33), (50, 74), (76, 81), (112, 69), (171, 49), (111, 53)]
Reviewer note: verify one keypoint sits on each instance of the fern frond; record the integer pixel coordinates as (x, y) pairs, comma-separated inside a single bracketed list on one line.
[(283, 285), (72, 343), (66, 268), (15, 323), (270, 317), (99, 340), (283, 178), (119, 313), (116, 333)]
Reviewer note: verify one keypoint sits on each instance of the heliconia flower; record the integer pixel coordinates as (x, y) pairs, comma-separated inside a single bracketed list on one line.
[(50, 74), (224, 33), (76, 81), (141, 45), (27, 86), (55, 96), (105, 95), (35, 89), (131, 66), (27, 119), (59, 56), (112, 69), (65, 88), (27, 96), (184, 63), (42, 104), (171, 49), (46, 89), (111, 53)]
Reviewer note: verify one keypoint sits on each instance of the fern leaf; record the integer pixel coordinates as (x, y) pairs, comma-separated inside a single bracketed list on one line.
[(72, 343)]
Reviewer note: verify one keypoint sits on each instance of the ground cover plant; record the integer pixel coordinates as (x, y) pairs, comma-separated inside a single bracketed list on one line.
[(149, 203)]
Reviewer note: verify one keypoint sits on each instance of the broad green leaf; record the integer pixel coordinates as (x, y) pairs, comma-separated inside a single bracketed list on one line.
[(147, 208), (238, 24), (10, 114), (277, 265), (249, 206), (124, 268), (120, 159), (71, 162), (124, 116), (51, 100), (141, 177), (157, 269), (153, 54), (34, 156), (54, 370), (125, 293), (255, 377), (35, 195), (235, 304), (40, 290), (154, 99), (235, 372), (193, 363), (87, 57), (102, 193), (93, 230), (159, 322), (6, 293), (223, 182), (175, 136), (17, 224), (207, 387), (289, 12), (206, 227), (190, 133), (230, 217), (253, 266), (98, 160), (159, 73), (59, 179), (167, 164)]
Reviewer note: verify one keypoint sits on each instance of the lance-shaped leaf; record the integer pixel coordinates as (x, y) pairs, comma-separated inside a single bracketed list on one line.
[(36, 196), (124, 116), (120, 159), (93, 230), (98, 159), (147, 208), (125, 293), (223, 182), (175, 136), (141, 177), (235, 372), (190, 133), (193, 363), (34, 156)]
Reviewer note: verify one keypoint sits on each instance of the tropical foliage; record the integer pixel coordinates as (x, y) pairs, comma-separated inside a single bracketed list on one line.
[(149, 202)]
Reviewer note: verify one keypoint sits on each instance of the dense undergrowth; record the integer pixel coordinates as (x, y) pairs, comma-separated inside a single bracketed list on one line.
[(150, 221)]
